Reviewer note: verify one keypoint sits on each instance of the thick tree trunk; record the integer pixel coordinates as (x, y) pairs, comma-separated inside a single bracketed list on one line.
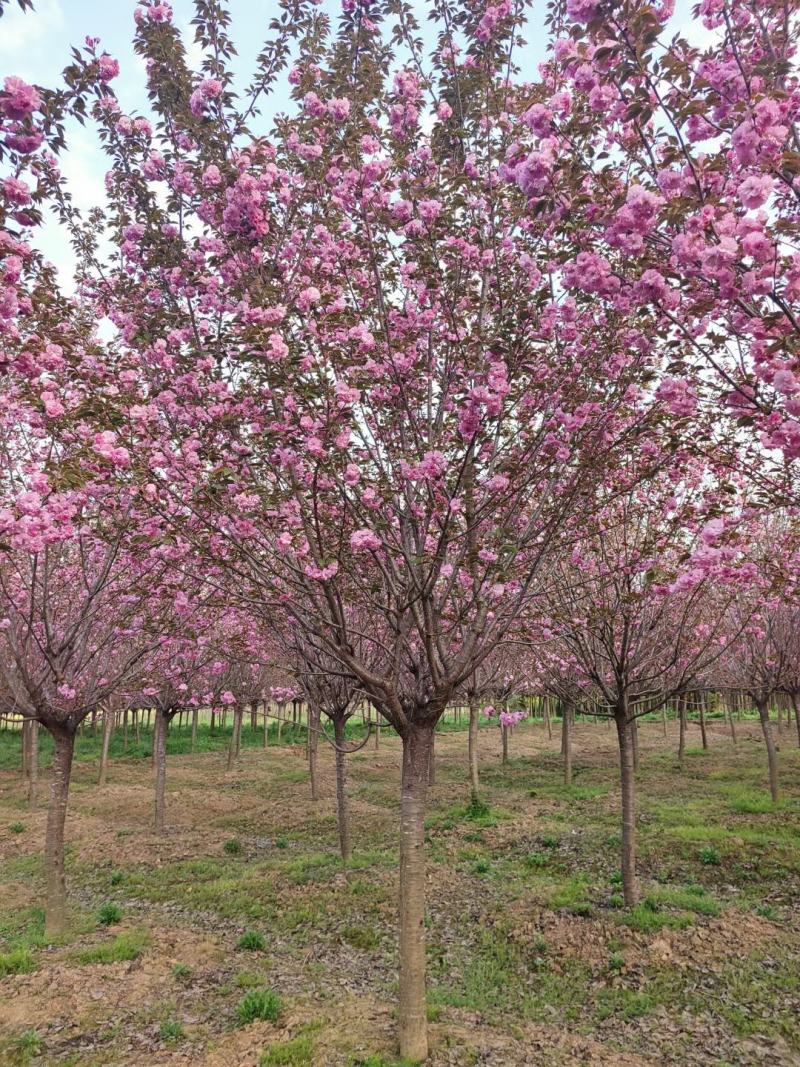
[(136, 718), (266, 724), (160, 767), (413, 1016), (628, 790), (253, 717), (236, 737), (342, 803), (473, 748), (796, 709), (55, 878), (566, 743), (432, 762), (772, 753), (108, 726)]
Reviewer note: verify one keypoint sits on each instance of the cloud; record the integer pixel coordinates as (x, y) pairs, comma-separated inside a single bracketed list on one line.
[(26, 37)]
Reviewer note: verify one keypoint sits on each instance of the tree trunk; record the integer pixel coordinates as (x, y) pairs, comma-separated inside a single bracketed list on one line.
[(160, 766), (213, 721), (313, 722), (473, 748), (681, 728), (796, 708), (704, 736), (547, 718), (236, 737), (125, 725), (504, 738), (342, 803), (55, 878), (33, 763), (432, 762), (253, 717), (413, 1016), (664, 719), (25, 731), (634, 735), (628, 789), (772, 756), (266, 724), (566, 743), (195, 718), (108, 726), (731, 723)]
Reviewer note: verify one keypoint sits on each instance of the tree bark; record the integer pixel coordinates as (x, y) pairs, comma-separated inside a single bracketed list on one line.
[(55, 877), (266, 724), (253, 717), (566, 742), (108, 726), (664, 719), (313, 723), (681, 728), (772, 755), (504, 738), (796, 709), (236, 737), (432, 762), (413, 1016), (342, 802), (160, 766), (473, 748), (703, 734), (33, 762), (628, 790), (195, 718)]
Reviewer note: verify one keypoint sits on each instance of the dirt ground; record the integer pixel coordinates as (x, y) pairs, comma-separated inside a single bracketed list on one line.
[(532, 958)]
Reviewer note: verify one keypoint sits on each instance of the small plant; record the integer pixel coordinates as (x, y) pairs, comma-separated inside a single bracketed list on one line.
[(123, 948), (247, 980), (616, 961), (17, 828), (27, 1045), (477, 808), (170, 1030), (551, 841), (536, 859), (117, 877), (109, 914), (17, 961), (709, 857), (233, 847), (294, 1053), (766, 911), (180, 970), (252, 940), (281, 842), (262, 1004), (362, 937), (481, 867), (616, 900)]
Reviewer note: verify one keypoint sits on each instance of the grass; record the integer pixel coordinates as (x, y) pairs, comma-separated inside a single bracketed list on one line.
[(125, 947), (264, 1004), (297, 1052), (525, 920)]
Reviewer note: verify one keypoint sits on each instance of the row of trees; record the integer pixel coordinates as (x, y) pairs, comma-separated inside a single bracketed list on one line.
[(447, 364)]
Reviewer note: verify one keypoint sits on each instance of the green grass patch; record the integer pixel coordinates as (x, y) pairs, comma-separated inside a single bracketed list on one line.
[(125, 947)]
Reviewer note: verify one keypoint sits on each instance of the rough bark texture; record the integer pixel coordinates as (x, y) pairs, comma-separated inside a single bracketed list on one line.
[(628, 790), (108, 726), (160, 767), (703, 733), (432, 762), (413, 1019), (732, 724), (634, 736), (504, 738), (473, 748), (342, 803), (55, 880), (772, 752), (195, 718)]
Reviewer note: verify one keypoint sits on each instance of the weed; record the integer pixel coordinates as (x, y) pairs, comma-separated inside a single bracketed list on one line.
[(252, 940), (481, 867), (181, 971), (709, 857), (616, 961), (261, 1004), (124, 947), (108, 914), (170, 1030), (17, 961), (17, 828), (117, 878), (296, 1052), (233, 846), (362, 937)]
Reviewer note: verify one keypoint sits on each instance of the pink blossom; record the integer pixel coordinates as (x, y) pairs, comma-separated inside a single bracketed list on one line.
[(18, 99), (755, 190), (364, 540)]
